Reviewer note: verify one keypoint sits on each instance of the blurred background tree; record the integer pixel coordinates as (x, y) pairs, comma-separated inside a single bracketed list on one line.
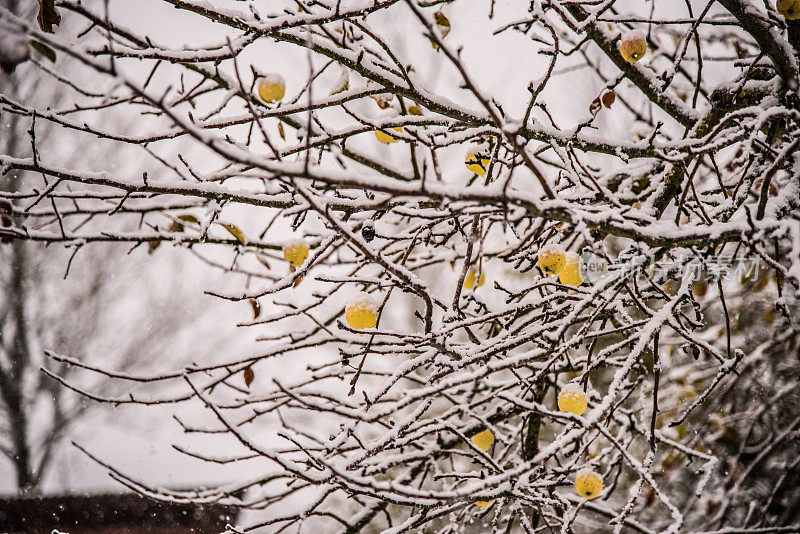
[(80, 300)]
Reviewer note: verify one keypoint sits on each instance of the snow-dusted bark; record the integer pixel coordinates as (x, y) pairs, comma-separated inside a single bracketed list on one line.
[(652, 176)]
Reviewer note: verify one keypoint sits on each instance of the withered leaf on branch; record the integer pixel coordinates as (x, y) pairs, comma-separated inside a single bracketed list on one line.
[(249, 376), (45, 50), (595, 107), (442, 23), (48, 16), (5, 218), (256, 308), (342, 84), (383, 101), (188, 217), (235, 232), (608, 98)]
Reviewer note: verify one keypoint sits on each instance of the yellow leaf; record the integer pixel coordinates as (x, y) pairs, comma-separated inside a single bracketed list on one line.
[(442, 24), (235, 232), (483, 440), (342, 84), (188, 217)]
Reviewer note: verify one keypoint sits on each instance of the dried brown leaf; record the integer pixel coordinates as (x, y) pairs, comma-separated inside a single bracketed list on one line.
[(256, 308), (249, 376), (383, 101), (608, 98), (595, 107), (48, 16)]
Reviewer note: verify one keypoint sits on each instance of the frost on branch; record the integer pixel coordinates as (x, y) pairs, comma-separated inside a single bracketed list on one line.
[(433, 171)]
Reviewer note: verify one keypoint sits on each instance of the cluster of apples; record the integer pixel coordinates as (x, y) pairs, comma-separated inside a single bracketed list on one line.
[(554, 260), (571, 399), (361, 312), (271, 88), (476, 158)]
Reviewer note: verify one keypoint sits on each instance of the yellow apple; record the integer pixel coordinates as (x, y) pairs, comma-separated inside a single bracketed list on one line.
[(588, 484), (271, 88), (361, 312), (633, 46)]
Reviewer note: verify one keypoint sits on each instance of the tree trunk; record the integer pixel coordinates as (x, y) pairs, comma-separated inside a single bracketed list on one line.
[(12, 379)]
